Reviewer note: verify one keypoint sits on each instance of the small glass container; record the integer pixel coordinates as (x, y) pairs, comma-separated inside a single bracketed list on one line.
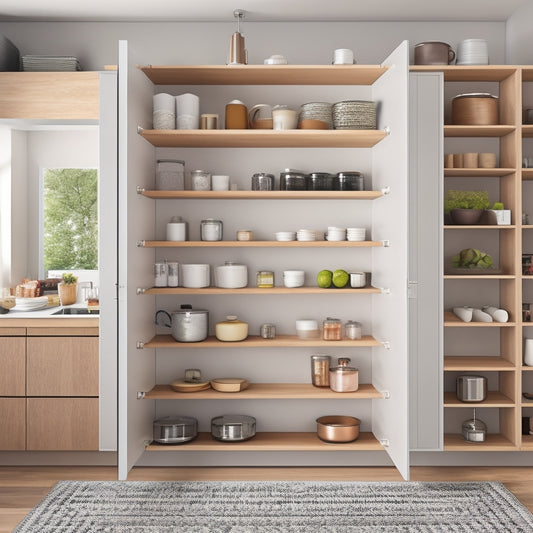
[(200, 180), (211, 230), (160, 274), (170, 175), (332, 329), (319, 181), (268, 331), (233, 428), (193, 375), (352, 330), (265, 279), (348, 181), (261, 181), (245, 235), (292, 180), (172, 274), (343, 378), (320, 370)]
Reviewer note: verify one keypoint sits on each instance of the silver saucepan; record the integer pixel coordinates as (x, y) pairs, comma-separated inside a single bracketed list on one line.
[(187, 324)]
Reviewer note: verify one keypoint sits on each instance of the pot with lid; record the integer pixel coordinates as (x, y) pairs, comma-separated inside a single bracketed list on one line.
[(233, 428), (175, 429), (471, 388), (187, 324), (231, 275)]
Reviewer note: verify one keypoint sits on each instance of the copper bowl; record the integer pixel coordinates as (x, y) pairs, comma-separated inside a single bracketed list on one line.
[(338, 428)]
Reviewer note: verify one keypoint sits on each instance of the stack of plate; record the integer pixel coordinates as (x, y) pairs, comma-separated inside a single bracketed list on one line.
[(336, 234), (285, 236), (30, 304), (355, 234), (306, 235), (35, 63), (316, 115), (472, 52), (354, 115)]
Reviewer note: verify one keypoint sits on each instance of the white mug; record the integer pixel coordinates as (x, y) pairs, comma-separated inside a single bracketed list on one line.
[(528, 352), (284, 118), (177, 231), (357, 279), (188, 111), (343, 56), (219, 182)]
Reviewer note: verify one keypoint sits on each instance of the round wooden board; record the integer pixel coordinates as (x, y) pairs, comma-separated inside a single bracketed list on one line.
[(180, 385)]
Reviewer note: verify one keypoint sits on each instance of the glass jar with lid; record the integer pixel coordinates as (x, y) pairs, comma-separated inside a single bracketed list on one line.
[(265, 279), (343, 378), (200, 180), (352, 330), (319, 181), (348, 181), (332, 329), (211, 230), (170, 175), (292, 180), (261, 181)]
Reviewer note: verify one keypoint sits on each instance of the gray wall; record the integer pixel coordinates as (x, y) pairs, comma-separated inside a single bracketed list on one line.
[(519, 46)]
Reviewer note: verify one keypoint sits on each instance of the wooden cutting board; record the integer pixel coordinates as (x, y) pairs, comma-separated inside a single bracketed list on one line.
[(180, 385), (229, 384)]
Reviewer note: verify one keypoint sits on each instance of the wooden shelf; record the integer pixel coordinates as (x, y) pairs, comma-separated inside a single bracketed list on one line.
[(527, 73), (479, 226), (468, 72), (263, 195), (272, 441), (264, 74), (494, 399), (526, 403), (257, 290), (478, 276), (264, 138), (267, 391), (527, 174), (477, 131), (527, 368), (450, 320), (478, 363), (280, 341), (260, 244), (527, 443), (493, 443), (477, 172), (527, 130)]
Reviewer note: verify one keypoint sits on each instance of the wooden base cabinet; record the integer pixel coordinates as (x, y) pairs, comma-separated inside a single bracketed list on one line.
[(13, 424)]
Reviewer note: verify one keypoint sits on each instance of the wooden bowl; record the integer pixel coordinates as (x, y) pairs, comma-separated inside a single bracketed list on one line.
[(229, 384), (476, 109)]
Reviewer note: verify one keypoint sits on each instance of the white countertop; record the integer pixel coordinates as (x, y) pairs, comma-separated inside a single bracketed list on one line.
[(47, 312)]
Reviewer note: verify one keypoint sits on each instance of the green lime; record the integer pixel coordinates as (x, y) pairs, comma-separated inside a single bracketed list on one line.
[(324, 278), (340, 278)]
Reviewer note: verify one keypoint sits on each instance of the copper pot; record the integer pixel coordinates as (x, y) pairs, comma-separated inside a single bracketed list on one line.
[(338, 428)]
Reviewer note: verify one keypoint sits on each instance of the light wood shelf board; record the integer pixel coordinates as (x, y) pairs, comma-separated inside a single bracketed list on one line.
[(257, 290), (493, 443), (285, 341), (478, 226), (494, 399), (450, 320), (477, 172), (264, 74), (267, 391), (468, 72), (527, 130), (264, 138), (272, 441), (527, 368), (480, 276), (261, 244), (478, 363), (478, 131), (527, 174), (527, 443), (527, 403), (263, 195)]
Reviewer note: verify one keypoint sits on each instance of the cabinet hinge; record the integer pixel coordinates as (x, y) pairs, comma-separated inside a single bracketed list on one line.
[(385, 243), (384, 442), (386, 344), (139, 345), (385, 394), (140, 129), (412, 290), (385, 290), (141, 244), (385, 191), (387, 130), (140, 290), (141, 395), (140, 189)]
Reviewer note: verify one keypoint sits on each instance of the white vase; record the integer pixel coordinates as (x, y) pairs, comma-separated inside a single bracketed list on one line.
[(528, 352)]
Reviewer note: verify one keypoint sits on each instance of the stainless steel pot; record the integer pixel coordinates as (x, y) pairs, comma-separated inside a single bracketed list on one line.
[(175, 430), (233, 428), (187, 324), (471, 388)]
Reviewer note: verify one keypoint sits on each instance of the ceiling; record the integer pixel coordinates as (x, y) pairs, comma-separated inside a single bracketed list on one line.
[(259, 10)]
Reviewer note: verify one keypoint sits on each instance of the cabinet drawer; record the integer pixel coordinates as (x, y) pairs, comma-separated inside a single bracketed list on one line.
[(62, 424), (12, 423), (62, 366), (13, 366)]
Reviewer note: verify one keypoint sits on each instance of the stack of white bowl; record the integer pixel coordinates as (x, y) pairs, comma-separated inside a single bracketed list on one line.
[(306, 235), (164, 113), (285, 235), (472, 52), (293, 278), (336, 234), (355, 234), (195, 276)]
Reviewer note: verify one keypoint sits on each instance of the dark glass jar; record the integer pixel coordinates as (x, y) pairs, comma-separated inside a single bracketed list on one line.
[(319, 181), (292, 180), (349, 181)]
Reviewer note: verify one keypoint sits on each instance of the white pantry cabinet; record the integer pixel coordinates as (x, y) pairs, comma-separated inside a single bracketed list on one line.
[(281, 397)]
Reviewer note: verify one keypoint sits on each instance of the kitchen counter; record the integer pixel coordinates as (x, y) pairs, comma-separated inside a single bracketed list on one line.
[(46, 318)]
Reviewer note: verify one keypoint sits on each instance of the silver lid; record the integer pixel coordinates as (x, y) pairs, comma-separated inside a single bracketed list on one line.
[(475, 95), (179, 161)]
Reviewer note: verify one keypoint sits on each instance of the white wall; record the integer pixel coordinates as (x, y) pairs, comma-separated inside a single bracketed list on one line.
[(95, 43), (519, 46)]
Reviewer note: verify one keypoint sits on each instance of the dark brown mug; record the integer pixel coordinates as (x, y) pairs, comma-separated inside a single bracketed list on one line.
[(433, 53)]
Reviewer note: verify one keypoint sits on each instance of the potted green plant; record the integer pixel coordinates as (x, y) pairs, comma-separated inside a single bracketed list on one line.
[(466, 207), (68, 289)]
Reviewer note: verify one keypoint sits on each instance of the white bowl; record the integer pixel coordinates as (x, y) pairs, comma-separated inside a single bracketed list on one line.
[(293, 278), (307, 329), (195, 276), (285, 235)]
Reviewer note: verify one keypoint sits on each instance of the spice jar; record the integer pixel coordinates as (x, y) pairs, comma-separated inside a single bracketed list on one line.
[(245, 235), (160, 274), (320, 370), (211, 230), (332, 329), (268, 331), (352, 330), (262, 181), (343, 378), (200, 180), (292, 180), (319, 181), (265, 279), (169, 175), (348, 181)]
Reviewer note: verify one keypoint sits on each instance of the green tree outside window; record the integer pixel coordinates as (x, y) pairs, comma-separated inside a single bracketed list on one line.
[(70, 209)]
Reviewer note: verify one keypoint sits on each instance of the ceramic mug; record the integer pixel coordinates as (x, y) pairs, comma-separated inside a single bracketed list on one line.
[(236, 116), (188, 111), (284, 118), (260, 117), (433, 53)]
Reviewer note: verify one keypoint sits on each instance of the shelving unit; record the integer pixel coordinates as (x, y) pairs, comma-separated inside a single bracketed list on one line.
[(146, 360)]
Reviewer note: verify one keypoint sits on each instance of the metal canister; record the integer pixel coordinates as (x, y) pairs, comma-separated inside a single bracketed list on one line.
[(160, 274), (262, 181), (268, 331), (172, 274), (211, 230), (320, 370)]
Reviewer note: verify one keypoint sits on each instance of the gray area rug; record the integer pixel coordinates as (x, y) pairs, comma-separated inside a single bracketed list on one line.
[(276, 506)]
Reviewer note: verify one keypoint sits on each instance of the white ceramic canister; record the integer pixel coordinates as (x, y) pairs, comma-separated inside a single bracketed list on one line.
[(231, 276), (176, 229), (195, 276), (293, 278), (187, 111)]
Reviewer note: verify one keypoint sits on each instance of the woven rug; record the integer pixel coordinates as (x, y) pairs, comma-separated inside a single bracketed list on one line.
[(277, 506)]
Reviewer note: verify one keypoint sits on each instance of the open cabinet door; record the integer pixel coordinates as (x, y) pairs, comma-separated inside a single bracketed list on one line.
[(136, 214), (389, 263)]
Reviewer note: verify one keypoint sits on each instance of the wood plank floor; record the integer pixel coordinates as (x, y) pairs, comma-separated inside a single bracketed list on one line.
[(23, 487)]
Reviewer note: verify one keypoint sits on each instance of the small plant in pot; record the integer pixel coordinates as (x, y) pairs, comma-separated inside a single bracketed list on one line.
[(68, 289), (466, 207)]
